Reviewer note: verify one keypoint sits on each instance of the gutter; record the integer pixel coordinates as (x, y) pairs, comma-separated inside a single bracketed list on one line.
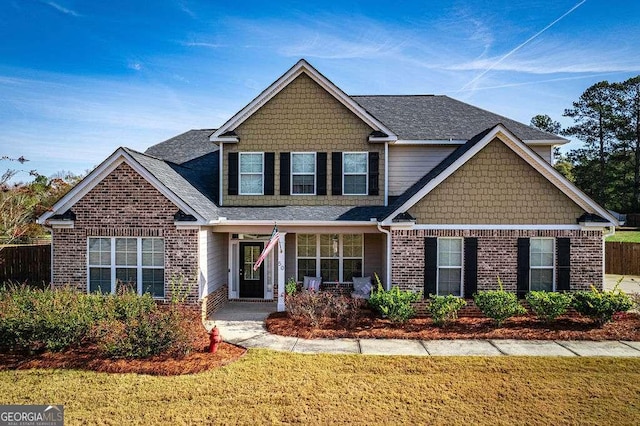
[(388, 274)]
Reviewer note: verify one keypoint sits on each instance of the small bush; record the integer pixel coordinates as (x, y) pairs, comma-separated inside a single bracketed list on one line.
[(34, 319), (394, 304), (315, 308), (498, 304), (123, 325), (548, 305), (291, 286), (443, 309), (601, 305), (146, 334)]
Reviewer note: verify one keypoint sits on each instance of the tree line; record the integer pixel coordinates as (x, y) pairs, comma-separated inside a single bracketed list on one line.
[(606, 118)]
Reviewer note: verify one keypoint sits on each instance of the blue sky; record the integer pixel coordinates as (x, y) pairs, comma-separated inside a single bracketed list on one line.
[(79, 78)]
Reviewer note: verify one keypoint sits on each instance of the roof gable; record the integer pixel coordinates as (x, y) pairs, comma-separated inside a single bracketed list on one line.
[(226, 132), (133, 159), (467, 151)]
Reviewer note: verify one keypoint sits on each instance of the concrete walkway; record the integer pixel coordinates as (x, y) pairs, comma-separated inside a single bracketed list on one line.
[(242, 324)]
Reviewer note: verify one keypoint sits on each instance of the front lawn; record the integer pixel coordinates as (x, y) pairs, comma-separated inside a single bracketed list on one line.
[(625, 237), (272, 387)]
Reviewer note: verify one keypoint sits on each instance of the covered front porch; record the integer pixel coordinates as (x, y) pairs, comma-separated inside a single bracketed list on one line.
[(337, 254)]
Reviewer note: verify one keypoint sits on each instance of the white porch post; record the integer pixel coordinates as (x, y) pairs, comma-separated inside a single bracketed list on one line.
[(281, 252)]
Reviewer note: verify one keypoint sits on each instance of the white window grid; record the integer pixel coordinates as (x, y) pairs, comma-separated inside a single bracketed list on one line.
[(440, 267), (340, 257), (365, 174), (550, 266), (293, 173), (114, 265), (241, 174)]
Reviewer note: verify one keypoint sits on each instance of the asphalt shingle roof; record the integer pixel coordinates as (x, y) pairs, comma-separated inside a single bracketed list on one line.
[(306, 213), (184, 147), (171, 176), (437, 117)]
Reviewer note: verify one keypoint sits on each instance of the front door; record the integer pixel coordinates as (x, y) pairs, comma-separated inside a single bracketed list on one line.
[(251, 282)]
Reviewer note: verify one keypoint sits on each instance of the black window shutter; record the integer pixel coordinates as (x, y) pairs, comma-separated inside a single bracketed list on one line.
[(374, 172), (269, 166), (563, 245), (470, 266), (321, 173), (233, 173), (523, 266), (285, 173), (336, 173), (430, 265)]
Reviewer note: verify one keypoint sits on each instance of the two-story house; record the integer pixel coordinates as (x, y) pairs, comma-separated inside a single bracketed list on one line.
[(428, 192)]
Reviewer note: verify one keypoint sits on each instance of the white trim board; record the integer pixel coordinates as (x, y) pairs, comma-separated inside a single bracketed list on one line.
[(524, 152), (495, 227), (300, 67), (102, 171)]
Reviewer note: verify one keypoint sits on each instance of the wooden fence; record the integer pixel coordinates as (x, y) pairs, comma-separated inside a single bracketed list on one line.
[(622, 258), (26, 263)]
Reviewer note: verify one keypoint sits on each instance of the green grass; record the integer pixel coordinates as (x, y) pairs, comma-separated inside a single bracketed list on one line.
[(272, 387), (625, 237)]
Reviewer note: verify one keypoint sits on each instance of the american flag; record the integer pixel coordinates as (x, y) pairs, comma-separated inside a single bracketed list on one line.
[(275, 236)]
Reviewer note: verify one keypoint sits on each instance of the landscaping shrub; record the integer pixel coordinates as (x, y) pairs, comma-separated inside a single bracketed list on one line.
[(123, 325), (601, 305), (394, 304), (291, 286), (314, 308), (498, 304), (34, 319), (443, 309), (548, 305)]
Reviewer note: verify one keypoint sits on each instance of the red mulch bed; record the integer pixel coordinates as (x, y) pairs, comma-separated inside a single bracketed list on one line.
[(89, 358), (626, 326)]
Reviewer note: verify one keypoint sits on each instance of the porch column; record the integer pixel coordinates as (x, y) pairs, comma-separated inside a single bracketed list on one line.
[(281, 252)]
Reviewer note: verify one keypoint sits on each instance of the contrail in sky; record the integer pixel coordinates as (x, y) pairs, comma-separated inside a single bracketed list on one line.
[(520, 46)]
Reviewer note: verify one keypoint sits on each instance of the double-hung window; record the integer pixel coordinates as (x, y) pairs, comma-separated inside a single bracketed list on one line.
[(134, 262), (251, 173), (334, 257), (449, 279), (355, 173), (541, 263), (303, 173)]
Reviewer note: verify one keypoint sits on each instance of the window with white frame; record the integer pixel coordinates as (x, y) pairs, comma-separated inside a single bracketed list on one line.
[(303, 173), (134, 262), (449, 266), (334, 257), (355, 166), (541, 263), (251, 173)]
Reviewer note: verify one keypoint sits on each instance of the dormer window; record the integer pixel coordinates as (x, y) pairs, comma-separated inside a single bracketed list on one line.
[(355, 171), (251, 173), (303, 173)]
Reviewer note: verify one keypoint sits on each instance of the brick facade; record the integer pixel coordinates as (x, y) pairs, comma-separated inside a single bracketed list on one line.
[(214, 301), (496, 186), (497, 256), (303, 117), (124, 204)]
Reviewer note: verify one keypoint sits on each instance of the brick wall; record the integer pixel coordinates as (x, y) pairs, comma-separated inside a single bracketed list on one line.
[(496, 186), (303, 117), (497, 256), (214, 301), (125, 204)]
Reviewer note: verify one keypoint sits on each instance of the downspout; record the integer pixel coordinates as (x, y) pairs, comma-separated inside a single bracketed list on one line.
[(220, 175), (604, 247), (386, 174), (388, 274)]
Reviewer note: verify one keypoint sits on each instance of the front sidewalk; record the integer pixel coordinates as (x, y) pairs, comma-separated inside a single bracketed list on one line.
[(249, 332)]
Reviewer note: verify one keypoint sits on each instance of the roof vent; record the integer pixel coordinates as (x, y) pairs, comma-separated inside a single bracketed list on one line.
[(181, 216)]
